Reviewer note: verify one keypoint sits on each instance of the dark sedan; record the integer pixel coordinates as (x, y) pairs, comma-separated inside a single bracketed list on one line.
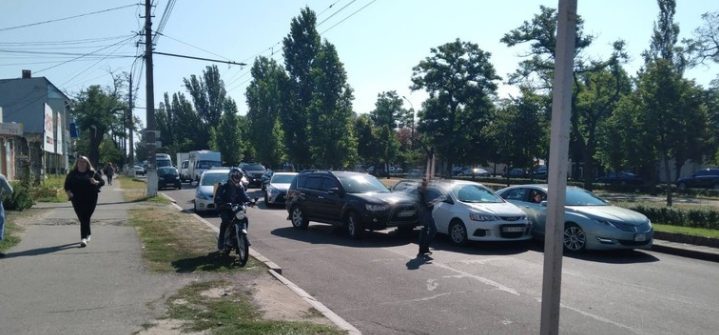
[(707, 178), (620, 178), (168, 177)]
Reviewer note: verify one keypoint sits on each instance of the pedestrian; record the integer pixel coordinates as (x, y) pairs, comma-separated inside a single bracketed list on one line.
[(425, 205), (82, 185), (109, 172), (5, 189)]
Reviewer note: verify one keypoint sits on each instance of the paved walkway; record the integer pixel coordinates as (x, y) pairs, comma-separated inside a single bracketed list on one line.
[(48, 285)]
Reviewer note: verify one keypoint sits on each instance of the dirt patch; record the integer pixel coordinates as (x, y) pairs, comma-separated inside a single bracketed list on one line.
[(277, 302), (168, 327)]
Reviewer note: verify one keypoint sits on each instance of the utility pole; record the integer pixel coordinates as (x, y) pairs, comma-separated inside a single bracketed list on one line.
[(558, 160), (130, 125), (149, 135)]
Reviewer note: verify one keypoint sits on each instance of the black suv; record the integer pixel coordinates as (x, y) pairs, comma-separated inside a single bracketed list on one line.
[(254, 173), (707, 178), (355, 201)]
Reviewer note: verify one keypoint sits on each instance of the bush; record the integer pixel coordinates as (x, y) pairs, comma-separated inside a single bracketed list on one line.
[(699, 218), (20, 199)]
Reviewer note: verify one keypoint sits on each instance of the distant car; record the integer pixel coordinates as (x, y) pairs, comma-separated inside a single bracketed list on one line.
[(168, 176), (205, 192), (266, 179), (620, 178), (352, 200), (475, 172), (472, 212), (254, 173), (540, 172), (590, 222), (276, 189), (185, 171), (516, 173), (706, 178), (139, 170)]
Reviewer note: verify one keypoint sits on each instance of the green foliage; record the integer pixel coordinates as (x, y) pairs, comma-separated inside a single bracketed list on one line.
[(267, 97), (229, 141), (386, 117), (699, 218), (208, 94), (20, 199), (109, 152), (461, 83), (93, 112), (519, 130), (705, 44)]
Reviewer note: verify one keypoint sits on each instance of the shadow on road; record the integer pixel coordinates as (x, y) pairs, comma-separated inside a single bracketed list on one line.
[(604, 256), (327, 234), (211, 262), (42, 251), (415, 263)]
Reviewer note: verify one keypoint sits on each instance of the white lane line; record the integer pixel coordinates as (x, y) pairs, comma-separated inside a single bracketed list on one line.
[(594, 316)]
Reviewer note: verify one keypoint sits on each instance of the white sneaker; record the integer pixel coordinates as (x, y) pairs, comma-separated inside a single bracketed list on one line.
[(83, 243), (89, 238)]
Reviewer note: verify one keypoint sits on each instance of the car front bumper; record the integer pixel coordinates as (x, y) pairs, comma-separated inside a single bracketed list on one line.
[(619, 240), (515, 230), (203, 205), (277, 198)]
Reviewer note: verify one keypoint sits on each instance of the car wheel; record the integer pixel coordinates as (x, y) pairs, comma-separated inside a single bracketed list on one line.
[(353, 225), (457, 232), (298, 218), (574, 238), (682, 186)]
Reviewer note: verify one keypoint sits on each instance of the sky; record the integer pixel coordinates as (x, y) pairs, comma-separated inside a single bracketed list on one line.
[(379, 41)]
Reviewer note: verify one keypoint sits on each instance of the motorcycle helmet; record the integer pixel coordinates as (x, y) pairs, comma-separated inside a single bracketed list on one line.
[(235, 175)]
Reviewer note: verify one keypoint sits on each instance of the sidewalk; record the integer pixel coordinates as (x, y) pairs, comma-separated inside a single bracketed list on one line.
[(48, 285)]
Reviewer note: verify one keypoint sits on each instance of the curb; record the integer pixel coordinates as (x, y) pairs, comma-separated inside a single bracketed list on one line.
[(684, 250), (276, 271)]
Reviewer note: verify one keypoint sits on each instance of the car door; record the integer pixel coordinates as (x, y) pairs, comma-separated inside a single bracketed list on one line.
[(443, 211), (310, 196), (536, 211), (520, 197), (330, 199)]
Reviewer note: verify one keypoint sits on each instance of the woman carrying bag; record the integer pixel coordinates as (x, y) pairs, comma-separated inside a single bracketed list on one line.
[(82, 185)]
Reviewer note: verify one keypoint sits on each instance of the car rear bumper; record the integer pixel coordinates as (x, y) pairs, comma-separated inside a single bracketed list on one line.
[(400, 216), (202, 205)]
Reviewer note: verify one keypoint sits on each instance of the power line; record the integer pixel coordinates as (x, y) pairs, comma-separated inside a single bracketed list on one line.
[(336, 12), (65, 42), (349, 16), (163, 20), (85, 55), (66, 18), (88, 68), (193, 46), (328, 8)]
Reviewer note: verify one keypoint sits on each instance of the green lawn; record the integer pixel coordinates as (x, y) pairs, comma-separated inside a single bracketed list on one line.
[(712, 233), (51, 190)]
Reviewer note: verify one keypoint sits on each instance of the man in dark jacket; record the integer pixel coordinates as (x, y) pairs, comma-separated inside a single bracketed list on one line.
[(429, 229), (230, 193)]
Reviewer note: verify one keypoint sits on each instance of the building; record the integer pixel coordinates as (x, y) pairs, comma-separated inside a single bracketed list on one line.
[(42, 111)]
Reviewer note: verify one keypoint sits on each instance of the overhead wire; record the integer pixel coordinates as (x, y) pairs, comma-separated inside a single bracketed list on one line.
[(84, 55), (163, 20), (65, 42), (66, 18), (349, 16), (89, 67)]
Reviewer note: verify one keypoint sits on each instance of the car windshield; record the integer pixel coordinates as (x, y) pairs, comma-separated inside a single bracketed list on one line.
[(282, 178), (166, 171), (581, 197), (207, 164), (475, 194), (253, 167), (163, 163), (362, 184), (213, 178)]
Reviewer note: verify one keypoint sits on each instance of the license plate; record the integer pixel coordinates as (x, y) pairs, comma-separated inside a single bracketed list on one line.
[(404, 214), (512, 229), (640, 237)]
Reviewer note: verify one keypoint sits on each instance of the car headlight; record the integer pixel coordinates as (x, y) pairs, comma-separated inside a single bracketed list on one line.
[(376, 208), (481, 217)]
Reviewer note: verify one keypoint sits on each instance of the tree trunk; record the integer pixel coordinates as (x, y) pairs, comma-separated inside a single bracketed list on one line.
[(668, 184)]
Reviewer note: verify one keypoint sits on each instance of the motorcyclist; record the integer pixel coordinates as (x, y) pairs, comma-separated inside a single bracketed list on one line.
[(229, 194)]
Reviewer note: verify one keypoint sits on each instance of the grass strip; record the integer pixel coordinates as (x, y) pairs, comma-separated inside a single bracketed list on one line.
[(691, 231), (177, 242), (231, 312)]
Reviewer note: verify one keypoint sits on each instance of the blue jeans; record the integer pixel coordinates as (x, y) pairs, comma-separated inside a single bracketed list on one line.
[(2, 221)]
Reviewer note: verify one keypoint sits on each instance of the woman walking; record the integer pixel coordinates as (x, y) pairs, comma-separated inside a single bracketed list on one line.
[(82, 185)]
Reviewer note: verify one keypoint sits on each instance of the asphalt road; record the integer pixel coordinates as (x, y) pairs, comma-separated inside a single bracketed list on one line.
[(376, 284)]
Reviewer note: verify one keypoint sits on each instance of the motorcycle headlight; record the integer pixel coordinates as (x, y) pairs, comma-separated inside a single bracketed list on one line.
[(376, 208), (481, 217), (240, 215)]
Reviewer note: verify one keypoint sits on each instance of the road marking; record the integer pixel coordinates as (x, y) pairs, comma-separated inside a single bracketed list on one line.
[(594, 316), (432, 284)]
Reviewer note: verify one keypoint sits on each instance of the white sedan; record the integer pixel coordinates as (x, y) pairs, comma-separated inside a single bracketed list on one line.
[(471, 212)]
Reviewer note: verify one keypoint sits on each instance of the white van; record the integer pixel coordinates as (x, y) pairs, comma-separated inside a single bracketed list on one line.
[(202, 160), (163, 160)]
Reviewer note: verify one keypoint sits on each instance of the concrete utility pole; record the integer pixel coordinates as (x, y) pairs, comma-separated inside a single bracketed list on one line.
[(130, 125), (149, 135), (558, 161)]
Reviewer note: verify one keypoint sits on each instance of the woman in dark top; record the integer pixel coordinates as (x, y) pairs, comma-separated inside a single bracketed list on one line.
[(82, 185)]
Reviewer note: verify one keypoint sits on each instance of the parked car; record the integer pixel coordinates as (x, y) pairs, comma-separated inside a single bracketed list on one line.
[(353, 200), (163, 160), (706, 178), (590, 222), (516, 173), (254, 173), (540, 172), (168, 176), (275, 191), (469, 211), (205, 192), (139, 170), (475, 172), (620, 178)]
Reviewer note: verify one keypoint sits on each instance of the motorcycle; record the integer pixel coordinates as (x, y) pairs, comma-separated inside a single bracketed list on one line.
[(236, 233)]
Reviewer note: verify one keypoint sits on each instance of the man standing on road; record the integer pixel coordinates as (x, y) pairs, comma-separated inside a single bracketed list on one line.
[(5, 188), (429, 229), (230, 193), (109, 172)]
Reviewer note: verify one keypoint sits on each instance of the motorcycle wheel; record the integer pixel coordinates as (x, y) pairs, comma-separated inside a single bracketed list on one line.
[(243, 248)]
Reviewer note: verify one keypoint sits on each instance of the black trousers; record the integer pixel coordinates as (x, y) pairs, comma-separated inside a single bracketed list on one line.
[(84, 207), (109, 179)]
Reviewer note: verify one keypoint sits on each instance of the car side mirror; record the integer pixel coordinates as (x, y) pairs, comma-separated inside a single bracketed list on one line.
[(448, 200), (334, 190), (543, 203)]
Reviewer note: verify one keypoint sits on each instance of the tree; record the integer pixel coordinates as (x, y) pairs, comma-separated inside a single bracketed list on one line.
[(386, 117), (519, 130), (208, 94), (267, 97), (300, 48), (367, 143), (331, 138), (93, 112), (460, 80), (228, 137), (665, 37)]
